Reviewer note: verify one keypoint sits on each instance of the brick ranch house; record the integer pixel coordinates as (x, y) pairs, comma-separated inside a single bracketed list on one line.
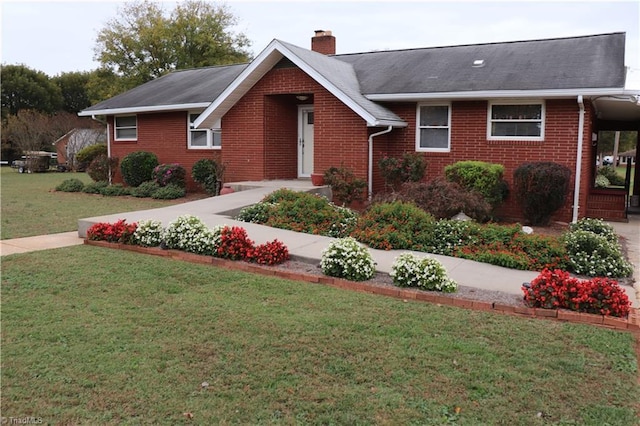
[(293, 111)]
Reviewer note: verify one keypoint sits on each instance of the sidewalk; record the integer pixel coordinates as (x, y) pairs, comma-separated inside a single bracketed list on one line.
[(219, 210)]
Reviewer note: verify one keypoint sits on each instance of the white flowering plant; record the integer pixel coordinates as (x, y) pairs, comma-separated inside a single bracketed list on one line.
[(426, 273), (597, 226), (346, 258), (595, 255), (189, 233), (149, 233)]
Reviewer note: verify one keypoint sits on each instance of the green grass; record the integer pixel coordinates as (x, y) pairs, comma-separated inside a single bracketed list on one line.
[(30, 206), (97, 336)]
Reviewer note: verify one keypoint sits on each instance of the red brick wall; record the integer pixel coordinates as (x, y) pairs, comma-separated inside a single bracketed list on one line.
[(469, 142), (260, 132), (164, 134)]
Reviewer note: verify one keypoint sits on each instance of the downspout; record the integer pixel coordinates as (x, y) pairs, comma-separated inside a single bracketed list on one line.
[(93, 117), (370, 171), (576, 189)]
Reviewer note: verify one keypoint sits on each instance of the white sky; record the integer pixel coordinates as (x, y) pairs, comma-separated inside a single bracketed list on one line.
[(57, 37)]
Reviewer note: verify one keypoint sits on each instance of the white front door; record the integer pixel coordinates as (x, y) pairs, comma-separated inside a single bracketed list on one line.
[(305, 141)]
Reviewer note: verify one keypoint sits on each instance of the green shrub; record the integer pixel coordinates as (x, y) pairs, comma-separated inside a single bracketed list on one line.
[(208, 174), (395, 171), (145, 189), (597, 226), (170, 174), (256, 213), (88, 154), (70, 185), (594, 255), (345, 186), (169, 192), (95, 187), (346, 258), (444, 199), (450, 235), (395, 225), (115, 190), (602, 181), (484, 178), (541, 188), (102, 168), (409, 270), (137, 167), (301, 212), (610, 173)]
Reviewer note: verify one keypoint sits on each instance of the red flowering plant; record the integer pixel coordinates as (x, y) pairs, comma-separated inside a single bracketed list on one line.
[(234, 244), (554, 289), (119, 232), (270, 253)]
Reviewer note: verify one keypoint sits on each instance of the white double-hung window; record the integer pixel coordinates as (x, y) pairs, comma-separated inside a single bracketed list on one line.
[(516, 121), (125, 128), (434, 128), (204, 138)]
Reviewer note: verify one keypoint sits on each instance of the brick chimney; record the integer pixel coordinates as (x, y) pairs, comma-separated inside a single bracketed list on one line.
[(323, 42)]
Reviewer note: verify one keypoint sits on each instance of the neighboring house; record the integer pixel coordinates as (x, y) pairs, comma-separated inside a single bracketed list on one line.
[(293, 111), (73, 141)]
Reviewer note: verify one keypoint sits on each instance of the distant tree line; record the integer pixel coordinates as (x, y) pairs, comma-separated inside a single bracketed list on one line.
[(142, 43)]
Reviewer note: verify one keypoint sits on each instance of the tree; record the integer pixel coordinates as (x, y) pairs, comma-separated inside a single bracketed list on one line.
[(31, 130), (25, 88), (73, 86), (142, 43)]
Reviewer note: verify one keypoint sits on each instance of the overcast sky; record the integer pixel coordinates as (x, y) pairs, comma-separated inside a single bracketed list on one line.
[(57, 37)]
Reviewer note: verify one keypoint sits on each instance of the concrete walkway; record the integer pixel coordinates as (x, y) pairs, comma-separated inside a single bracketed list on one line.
[(220, 210)]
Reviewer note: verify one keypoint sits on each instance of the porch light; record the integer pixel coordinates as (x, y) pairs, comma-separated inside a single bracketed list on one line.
[(302, 97)]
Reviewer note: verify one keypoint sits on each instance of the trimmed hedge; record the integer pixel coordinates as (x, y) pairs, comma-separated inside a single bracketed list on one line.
[(541, 188), (137, 167)]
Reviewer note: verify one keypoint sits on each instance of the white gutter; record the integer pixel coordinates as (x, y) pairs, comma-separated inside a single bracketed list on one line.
[(93, 117), (370, 170), (576, 188), (140, 109), (499, 94)]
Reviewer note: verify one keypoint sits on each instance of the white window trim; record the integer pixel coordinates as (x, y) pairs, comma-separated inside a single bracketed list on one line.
[(418, 127), (209, 133), (116, 128), (543, 120)]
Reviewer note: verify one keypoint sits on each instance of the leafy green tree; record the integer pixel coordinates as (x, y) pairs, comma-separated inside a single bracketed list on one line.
[(73, 86), (143, 43), (26, 88)]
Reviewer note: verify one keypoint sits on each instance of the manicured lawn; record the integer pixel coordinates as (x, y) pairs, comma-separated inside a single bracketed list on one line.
[(30, 206), (97, 336)]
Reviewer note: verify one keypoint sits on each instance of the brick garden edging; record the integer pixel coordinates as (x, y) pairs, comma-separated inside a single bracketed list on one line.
[(632, 323)]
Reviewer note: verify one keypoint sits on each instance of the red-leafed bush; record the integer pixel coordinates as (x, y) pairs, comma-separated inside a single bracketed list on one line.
[(270, 253), (557, 289), (119, 232), (234, 244)]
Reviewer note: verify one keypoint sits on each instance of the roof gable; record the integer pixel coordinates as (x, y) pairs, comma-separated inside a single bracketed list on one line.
[(336, 76)]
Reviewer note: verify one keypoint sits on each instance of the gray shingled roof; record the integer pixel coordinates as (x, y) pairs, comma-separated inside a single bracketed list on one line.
[(565, 63), (342, 76), (199, 85), (554, 64)]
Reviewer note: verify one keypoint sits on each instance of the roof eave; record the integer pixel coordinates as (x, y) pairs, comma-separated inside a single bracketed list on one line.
[(497, 94), (268, 58), (143, 109)]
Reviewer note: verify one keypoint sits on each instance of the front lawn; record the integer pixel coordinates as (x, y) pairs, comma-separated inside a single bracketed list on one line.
[(30, 206), (96, 336)]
